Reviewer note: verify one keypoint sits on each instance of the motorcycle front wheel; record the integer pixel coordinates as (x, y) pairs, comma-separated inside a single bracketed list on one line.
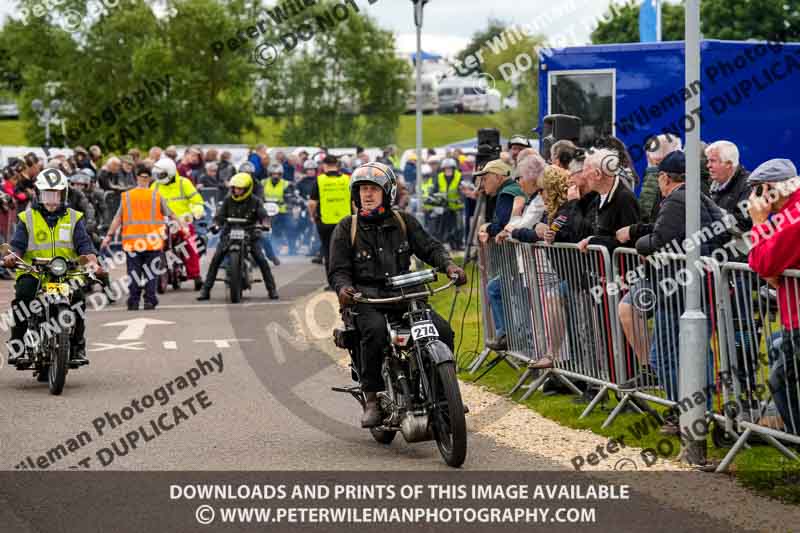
[(59, 360), (447, 420), (235, 277)]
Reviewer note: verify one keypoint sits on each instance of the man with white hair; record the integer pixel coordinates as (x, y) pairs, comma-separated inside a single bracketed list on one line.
[(617, 207), (729, 187), (658, 148)]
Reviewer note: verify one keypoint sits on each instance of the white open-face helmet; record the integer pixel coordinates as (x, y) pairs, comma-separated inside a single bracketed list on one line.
[(164, 170), (51, 185)]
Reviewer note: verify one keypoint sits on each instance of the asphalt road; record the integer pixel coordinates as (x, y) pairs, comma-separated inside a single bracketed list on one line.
[(270, 408)]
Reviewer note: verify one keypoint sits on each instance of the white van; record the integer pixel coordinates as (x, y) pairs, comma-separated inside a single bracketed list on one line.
[(468, 95), (430, 94)]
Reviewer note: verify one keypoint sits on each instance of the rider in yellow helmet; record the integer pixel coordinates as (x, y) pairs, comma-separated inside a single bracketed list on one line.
[(240, 203)]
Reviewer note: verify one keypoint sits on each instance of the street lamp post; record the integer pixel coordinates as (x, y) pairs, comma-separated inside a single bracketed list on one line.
[(418, 6), (46, 115), (693, 338)]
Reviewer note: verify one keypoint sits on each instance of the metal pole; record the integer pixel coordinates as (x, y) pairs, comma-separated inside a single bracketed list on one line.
[(658, 20), (418, 21), (46, 117), (693, 332)]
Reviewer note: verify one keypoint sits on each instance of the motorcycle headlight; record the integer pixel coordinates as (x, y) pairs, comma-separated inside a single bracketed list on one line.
[(58, 266)]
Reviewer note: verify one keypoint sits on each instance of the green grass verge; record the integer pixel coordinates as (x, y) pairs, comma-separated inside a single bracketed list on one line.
[(438, 130), (12, 132), (761, 468)]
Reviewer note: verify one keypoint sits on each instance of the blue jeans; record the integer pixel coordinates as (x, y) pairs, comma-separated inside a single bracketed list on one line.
[(266, 244), (783, 378), (496, 302), (666, 343)]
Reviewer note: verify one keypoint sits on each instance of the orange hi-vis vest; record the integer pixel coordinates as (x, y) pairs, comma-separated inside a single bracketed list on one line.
[(142, 220)]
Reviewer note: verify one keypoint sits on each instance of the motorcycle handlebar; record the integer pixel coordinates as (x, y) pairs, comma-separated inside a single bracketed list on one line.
[(413, 296)]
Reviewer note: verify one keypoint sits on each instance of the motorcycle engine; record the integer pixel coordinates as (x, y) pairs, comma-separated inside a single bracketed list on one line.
[(415, 427)]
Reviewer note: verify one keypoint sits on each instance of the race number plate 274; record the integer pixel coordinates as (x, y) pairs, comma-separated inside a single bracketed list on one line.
[(237, 234), (424, 330)]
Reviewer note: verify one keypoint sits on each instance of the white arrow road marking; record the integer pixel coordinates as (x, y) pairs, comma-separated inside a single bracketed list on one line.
[(223, 343), (170, 345), (134, 327), (125, 346)]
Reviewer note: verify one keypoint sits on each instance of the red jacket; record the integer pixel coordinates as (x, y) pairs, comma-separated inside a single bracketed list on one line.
[(8, 188), (777, 250)]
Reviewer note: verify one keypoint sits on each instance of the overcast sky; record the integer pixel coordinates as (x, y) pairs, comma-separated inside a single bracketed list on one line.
[(449, 24)]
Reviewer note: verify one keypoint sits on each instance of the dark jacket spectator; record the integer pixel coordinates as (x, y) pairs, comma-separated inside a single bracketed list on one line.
[(668, 231), (730, 196), (650, 195)]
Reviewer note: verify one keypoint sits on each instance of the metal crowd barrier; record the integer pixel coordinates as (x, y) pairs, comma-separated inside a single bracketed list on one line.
[(577, 317), (490, 265), (652, 294), (615, 324), (762, 394)]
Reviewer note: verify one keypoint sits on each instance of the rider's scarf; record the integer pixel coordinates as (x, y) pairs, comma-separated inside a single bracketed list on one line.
[(372, 215)]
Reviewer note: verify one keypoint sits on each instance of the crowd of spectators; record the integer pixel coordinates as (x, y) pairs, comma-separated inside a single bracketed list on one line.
[(588, 197)]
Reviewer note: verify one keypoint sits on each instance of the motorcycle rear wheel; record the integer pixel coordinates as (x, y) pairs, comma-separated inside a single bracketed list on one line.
[(449, 426)]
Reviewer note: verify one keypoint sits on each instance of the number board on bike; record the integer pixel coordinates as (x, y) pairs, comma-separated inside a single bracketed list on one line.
[(237, 234), (57, 288), (424, 330)]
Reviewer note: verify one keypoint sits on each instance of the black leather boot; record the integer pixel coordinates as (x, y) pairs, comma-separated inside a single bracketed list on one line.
[(372, 414)]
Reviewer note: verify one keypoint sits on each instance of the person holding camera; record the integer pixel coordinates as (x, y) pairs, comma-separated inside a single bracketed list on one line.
[(774, 207)]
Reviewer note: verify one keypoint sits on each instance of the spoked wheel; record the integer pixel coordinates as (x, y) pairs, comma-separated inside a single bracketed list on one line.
[(175, 275), (235, 277), (59, 361), (447, 418), (163, 277)]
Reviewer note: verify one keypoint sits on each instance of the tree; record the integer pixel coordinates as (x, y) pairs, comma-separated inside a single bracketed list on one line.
[(116, 55), (345, 87), (479, 38), (719, 19), (518, 63)]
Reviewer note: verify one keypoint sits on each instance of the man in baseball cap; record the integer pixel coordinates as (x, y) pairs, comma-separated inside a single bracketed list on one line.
[(495, 180)]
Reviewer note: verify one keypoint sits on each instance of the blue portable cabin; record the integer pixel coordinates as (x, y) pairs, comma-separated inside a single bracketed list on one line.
[(750, 94)]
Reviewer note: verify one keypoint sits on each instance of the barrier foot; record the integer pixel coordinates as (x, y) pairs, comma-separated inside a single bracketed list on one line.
[(594, 402), (533, 387), (493, 363), (476, 364), (723, 466), (617, 410), (521, 381), (513, 364), (781, 448), (570, 385)]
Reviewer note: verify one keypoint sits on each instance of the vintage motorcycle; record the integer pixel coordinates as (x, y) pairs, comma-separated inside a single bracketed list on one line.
[(238, 266), (422, 399), (52, 321)]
